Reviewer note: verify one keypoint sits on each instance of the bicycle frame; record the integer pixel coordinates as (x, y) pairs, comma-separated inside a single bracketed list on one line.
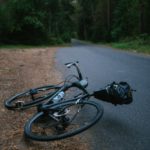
[(80, 84), (65, 88)]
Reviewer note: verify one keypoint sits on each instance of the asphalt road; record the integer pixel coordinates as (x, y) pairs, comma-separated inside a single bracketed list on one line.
[(124, 127)]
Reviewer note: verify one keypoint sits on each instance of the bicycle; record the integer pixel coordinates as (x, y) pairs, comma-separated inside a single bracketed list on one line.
[(71, 117), (48, 93), (58, 117), (64, 119)]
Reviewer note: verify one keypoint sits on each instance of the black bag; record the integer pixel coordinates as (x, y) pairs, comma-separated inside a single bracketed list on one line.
[(115, 93)]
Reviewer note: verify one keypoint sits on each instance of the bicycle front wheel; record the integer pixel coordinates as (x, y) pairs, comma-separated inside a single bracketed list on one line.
[(31, 97), (63, 120)]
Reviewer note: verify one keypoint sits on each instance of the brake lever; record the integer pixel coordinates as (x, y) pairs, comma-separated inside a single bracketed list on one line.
[(68, 65), (71, 64)]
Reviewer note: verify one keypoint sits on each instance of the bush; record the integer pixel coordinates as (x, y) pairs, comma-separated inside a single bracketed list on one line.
[(34, 22)]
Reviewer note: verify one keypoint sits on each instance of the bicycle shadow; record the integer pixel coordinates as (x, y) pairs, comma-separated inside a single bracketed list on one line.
[(114, 133)]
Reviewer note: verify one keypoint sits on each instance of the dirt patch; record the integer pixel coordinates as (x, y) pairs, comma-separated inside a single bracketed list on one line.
[(19, 70)]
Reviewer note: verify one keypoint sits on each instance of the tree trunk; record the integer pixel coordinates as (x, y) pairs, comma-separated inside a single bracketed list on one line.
[(108, 19), (142, 23)]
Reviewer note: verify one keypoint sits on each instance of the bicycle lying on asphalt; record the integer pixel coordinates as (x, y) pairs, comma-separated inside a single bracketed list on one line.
[(59, 116)]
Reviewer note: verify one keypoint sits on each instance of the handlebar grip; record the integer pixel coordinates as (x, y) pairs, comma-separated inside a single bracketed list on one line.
[(72, 63), (66, 64), (69, 64)]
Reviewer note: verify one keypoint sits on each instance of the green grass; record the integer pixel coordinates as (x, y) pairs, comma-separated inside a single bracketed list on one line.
[(137, 45), (14, 47), (20, 46)]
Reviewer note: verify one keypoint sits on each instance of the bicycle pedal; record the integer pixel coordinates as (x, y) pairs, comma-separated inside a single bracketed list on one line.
[(60, 129), (65, 121)]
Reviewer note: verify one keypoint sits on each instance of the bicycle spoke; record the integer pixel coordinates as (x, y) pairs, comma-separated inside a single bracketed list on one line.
[(30, 97), (72, 118)]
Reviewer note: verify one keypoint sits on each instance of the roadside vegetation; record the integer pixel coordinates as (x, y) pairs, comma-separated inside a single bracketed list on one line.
[(52, 22), (35, 22), (138, 45), (21, 46)]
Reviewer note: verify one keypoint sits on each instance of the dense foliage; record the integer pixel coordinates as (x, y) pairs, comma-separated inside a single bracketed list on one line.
[(113, 19), (56, 21), (36, 21)]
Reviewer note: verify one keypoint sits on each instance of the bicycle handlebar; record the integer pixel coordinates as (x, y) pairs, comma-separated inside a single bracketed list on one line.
[(75, 64)]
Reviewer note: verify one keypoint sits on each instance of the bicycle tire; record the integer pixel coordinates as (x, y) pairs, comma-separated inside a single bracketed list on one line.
[(26, 99), (34, 128)]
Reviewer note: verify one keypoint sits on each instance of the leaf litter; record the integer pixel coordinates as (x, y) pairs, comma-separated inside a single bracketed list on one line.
[(19, 70)]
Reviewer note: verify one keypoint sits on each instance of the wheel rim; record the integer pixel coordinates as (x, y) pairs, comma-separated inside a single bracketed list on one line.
[(77, 120), (27, 98)]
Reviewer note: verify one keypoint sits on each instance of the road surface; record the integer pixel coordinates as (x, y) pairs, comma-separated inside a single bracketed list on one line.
[(124, 127)]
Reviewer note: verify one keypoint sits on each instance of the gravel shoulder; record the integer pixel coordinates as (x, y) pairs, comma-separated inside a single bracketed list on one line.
[(21, 69)]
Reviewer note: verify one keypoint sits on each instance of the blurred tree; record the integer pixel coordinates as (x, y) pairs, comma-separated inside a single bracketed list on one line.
[(126, 18), (56, 21), (36, 21)]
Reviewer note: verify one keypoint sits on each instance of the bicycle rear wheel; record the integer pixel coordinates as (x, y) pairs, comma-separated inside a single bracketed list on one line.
[(30, 97), (63, 120)]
